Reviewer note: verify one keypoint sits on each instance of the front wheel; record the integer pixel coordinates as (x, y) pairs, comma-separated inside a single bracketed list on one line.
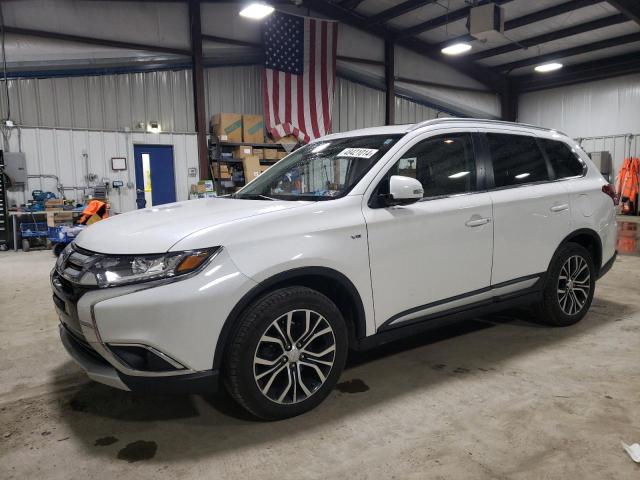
[(569, 288), (286, 354)]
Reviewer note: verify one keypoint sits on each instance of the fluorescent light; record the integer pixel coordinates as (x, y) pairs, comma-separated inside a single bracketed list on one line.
[(456, 49), (448, 140), (459, 174), (522, 175), (548, 67), (256, 11)]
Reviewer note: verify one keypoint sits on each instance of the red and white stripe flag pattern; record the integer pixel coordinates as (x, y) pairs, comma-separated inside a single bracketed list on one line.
[(299, 75)]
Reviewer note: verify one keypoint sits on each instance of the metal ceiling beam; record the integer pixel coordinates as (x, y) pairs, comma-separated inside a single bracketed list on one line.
[(493, 80), (551, 36), (631, 8), (569, 52), (448, 17), (397, 10), (584, 72), (534, 17), (95, 41)]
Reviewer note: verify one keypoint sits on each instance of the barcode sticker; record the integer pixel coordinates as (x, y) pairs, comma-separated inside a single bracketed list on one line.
[(358, 152)]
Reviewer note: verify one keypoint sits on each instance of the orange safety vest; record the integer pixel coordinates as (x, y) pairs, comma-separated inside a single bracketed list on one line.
[(628, 182), (95, 207)]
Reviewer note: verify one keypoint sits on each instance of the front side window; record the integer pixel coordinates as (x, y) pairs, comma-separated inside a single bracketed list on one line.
[(320, 171), (564, 162), (445, 165), (516, 160)]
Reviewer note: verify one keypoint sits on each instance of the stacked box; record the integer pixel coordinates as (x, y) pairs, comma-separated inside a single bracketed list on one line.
[(242, 151), (222, 172), (253, 128), (227, 127), (259, 152), (58, 218), (270, 154), (251, 166)]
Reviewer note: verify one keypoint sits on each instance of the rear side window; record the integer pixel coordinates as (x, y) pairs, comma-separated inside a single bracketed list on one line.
[(516, 160), (445, 165), (564, 162)]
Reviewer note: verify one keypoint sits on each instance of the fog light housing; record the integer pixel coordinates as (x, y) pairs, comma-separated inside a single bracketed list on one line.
[(144, 358)]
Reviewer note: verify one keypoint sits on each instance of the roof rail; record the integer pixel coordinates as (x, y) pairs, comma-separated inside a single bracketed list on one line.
[(436, 121)]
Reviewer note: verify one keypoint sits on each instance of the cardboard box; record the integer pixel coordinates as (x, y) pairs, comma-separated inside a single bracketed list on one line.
[(264, 168), (251, 166), (259, 152), (54, 204), (227, 127), (58, 218), (270, 154), (205, 186), (253, 128), (223, 172), (289, 139), (242, 151), (281, 154)]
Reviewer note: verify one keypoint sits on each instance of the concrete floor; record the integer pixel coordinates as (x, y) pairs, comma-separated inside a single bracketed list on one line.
[(498, 397)]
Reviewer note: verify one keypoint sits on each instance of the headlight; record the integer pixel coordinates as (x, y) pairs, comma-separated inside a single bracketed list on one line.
[(113, 270)]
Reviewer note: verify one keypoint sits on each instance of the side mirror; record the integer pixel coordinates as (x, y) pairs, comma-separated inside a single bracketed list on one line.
[(404, 190)]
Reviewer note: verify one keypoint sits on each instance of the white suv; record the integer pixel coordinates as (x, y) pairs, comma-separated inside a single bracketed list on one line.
[(354, 240)]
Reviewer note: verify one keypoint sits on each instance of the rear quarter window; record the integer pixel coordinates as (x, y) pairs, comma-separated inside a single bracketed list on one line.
[(565, 163)]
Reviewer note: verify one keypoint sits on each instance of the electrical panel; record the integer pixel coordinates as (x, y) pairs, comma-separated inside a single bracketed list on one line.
[(604, 163), (15, 165)]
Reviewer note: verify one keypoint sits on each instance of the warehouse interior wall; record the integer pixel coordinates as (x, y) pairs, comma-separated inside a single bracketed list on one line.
[(603, 113)]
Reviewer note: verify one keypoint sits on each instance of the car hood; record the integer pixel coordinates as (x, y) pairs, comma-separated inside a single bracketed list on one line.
[(157, 229)]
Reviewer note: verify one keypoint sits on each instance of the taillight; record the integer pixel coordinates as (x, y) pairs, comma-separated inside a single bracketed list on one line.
[(611, 191)]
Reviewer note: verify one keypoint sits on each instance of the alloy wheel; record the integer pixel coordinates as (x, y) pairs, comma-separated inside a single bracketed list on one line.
[(574, 285), (294, 356)]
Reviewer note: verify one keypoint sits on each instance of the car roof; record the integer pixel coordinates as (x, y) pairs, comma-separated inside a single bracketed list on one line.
[(406, 128)]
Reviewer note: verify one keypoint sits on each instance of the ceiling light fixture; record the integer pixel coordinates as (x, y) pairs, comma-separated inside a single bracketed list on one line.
[(548, 67), (256, 10), (456, 49)]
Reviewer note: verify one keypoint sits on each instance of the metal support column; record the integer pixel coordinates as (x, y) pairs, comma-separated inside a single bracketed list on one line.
[(198, 88), (509, 102), (389, 80)]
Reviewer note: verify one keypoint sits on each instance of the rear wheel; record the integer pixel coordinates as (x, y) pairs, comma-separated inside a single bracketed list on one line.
[(286, 354), (570, 286)]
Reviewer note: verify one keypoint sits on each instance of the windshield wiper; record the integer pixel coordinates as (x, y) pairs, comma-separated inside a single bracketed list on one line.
[(255, 196)]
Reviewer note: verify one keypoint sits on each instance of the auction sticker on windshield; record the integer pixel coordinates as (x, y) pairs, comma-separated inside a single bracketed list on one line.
[(358, 152)]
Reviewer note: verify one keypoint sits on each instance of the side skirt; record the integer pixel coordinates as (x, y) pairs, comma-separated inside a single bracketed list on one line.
[(388, 334)]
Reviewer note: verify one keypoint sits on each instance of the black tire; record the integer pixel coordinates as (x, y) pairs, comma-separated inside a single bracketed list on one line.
[(57, 249), (556, 308), (241, 373), (25, 245)]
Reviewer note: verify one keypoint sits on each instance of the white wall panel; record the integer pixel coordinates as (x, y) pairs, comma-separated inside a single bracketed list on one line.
[(356, 106), (60, 152), (602, 108)]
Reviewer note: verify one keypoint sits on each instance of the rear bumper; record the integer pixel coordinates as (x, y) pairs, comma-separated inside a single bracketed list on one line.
[(98, 369)]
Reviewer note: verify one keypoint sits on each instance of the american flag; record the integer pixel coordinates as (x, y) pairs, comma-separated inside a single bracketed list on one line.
[(299, 75)]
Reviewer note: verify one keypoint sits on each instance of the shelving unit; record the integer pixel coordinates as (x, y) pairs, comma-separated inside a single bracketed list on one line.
[(4, 219), (216, 148)]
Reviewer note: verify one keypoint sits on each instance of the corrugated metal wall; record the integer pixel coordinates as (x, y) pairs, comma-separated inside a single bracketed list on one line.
[(60, 152), (109, 102)]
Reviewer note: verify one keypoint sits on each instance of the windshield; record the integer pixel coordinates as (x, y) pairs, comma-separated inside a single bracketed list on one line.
[(320, 171)]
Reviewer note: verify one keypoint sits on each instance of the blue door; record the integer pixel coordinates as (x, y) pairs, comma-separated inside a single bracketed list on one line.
[(155, 176)]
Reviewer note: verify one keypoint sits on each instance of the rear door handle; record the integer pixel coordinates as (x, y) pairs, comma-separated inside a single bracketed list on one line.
[(560, 208), (476, 222)]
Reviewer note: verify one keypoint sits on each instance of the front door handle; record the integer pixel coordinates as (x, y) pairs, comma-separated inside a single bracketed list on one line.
[(476, 222), (560, 208)]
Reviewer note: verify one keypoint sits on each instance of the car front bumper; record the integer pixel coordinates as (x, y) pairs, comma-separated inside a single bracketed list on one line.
[(176, 321)]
